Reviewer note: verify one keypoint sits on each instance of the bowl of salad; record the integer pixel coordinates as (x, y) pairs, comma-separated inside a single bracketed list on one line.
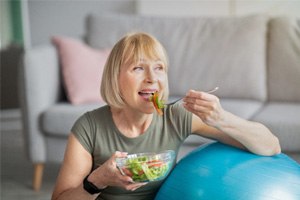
[(147, 167)]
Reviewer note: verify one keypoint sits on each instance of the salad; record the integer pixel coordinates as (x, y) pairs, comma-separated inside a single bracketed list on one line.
[(158, 104), (143, 168)]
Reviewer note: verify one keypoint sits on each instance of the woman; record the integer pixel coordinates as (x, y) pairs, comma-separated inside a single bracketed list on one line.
[(136, 68)]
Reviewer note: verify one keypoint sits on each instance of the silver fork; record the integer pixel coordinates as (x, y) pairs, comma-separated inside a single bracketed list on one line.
[(173, 102)]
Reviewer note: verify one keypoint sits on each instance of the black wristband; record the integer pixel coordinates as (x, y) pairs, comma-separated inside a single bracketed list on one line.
[(90, 187)]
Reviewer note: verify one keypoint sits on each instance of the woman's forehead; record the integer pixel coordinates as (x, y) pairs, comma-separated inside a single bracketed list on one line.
[(147, 57), (136, 53), (147, 60)]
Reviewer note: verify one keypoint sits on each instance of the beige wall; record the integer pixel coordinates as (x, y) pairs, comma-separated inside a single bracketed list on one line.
[(49, 17), (66, 17), (218, 7)]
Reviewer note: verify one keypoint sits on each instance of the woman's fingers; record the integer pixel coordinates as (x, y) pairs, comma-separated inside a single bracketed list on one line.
[(134, 186), (206, 106), (138, 186), (119, 154), (124, 180), (194, 108), (200, 95), (111, 175), (202, 103)]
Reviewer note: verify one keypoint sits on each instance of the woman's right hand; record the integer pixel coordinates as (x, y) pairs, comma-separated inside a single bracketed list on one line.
[(109, 175)]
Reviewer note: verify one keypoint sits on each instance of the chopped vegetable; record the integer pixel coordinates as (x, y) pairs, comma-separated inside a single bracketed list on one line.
[(141, 169), (158, 104)]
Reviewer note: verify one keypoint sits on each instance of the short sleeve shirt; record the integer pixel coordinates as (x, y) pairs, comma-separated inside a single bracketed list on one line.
[(98, 134)]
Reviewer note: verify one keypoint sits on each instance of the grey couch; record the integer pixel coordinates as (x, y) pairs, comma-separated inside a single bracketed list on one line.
[(255, 60)]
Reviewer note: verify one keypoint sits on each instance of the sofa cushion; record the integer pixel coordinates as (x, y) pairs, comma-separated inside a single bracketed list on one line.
[(241, 107), (82, 68), (284, 60), (283, 121), (58, 119), (203, 52)]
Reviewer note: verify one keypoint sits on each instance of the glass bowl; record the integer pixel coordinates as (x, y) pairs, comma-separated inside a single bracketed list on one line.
[(147, 167)]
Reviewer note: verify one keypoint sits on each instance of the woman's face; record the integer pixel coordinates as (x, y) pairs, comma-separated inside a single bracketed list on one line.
[(138, 82)]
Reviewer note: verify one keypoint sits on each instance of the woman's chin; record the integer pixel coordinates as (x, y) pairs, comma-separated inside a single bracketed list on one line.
[(149, 111)]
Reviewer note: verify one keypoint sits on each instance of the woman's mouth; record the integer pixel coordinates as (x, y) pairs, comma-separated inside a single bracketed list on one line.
[(146, 94)]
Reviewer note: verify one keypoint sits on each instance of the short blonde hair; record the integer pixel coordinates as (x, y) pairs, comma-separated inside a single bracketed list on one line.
[(129, 50)]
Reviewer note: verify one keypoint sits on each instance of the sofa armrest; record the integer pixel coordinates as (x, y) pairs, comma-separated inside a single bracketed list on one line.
[(40, 87)]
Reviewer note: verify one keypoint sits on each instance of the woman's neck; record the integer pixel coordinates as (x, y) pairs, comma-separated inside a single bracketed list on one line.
[(131, 124)]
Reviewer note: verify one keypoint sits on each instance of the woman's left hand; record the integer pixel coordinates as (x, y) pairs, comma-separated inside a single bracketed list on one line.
[(206, 106), (227, 127)]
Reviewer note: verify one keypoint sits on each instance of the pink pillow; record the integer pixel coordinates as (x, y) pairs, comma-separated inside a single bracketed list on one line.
[(82, 68)]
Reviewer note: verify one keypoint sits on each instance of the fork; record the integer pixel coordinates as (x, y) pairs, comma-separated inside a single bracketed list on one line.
[(173, 102)]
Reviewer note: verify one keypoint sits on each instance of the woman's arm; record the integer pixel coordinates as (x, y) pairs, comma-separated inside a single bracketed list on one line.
[(212, 121), (77, 165)]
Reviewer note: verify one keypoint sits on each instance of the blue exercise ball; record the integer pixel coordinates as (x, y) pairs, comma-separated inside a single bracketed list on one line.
[(220, 172)]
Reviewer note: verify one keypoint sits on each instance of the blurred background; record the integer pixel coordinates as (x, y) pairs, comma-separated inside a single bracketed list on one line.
[(29, 23)]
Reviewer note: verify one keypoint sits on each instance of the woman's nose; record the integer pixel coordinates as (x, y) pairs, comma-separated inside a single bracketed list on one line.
[(150, 76)]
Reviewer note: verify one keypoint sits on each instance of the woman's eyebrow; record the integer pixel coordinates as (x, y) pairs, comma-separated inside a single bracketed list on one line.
[(145, 61)]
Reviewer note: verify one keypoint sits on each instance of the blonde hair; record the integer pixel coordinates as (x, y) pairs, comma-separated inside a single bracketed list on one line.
[(129, 50)]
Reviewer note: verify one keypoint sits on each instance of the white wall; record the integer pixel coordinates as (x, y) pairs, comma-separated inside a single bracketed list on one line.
[(218, 7), (270, 7), (183, 7), (66, 17)]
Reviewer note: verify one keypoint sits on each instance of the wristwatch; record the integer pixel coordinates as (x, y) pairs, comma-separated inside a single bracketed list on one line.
[(90, 187)]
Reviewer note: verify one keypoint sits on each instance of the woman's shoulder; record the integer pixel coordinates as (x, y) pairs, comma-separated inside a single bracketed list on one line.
[(103, 110), (93, 119), (177, 114), (97, 114), (178, 119), (175, 110)]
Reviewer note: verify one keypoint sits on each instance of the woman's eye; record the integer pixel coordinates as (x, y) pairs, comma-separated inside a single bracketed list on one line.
[(159, 68), (138, 68)]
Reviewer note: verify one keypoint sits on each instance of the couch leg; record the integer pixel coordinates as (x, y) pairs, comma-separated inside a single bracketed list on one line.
[(37, 176)]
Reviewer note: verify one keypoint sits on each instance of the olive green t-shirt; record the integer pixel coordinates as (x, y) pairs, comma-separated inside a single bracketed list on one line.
[(98, 134)]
